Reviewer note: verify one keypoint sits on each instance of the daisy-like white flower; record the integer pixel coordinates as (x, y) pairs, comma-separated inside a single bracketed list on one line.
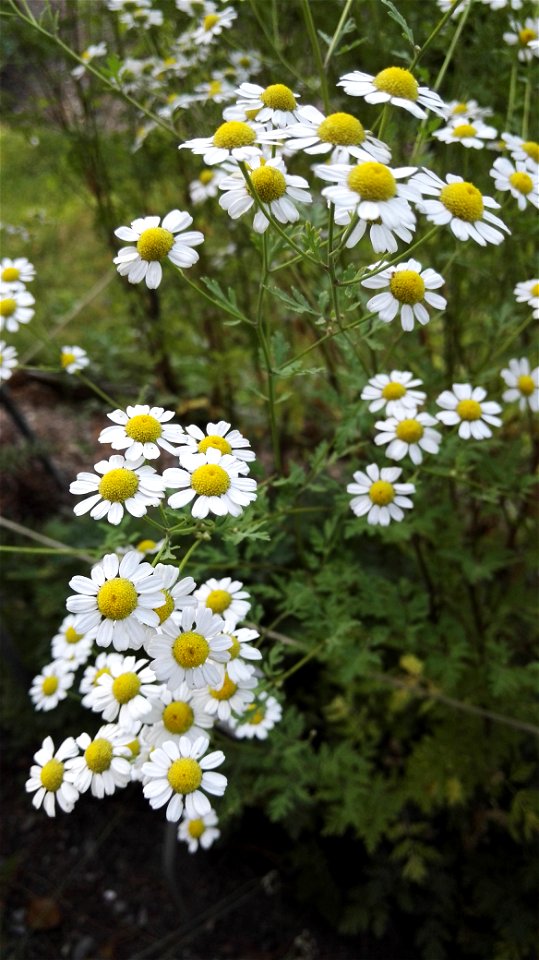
[(393, 85), (122, 692), (274, 187), (276, 104), (525, 151), (229, 697), (522, 184), (213, 23), (245, 63), (122, 484), (501, 4), (73, 359), (213, 481), (409, 290), (103, 766), (221, 437), (139, 754), (466, 406), (408, 432), (377, 495), (119, 599), (193, 650), (225, 597), (202, 831), (155, 242), (240, 651), (468, 134), (177, 773), (8, 360), (91, 52), (176, 594), (51, 685), (141, 18), (527, 291), (48, 780), (92, 673), (464, 111), (71, 645), (523, 384), (259, 718), (395, 392), (447, 5), (15, 307), (206, 185), (523, 36), (233, 140), (16, 271), (217, 89), (372, 191), (175, 714), (340, 133), (140, 430), (461, 205)]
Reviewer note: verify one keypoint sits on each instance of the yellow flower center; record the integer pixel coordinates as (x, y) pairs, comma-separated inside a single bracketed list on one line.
[(166, 608), (469, 410), (525, 384), (117, 599), (234, 133), (49, 686), (98, 755), (521, 181), (145, 546), (382, 492), (184, 775), (85, 55), (52, 775), (398, 82), (9, 274), (178, 717), (71, 635), (464, 130), (196, 828), (257, 714), (210, 20), (269, 183), (190, 649), (373, 181), (393, 390), (218, 600), (125, 687), (134, 747), (118, 485), (342, 129), (214, 88), (535, 290), (169, 61), (218, 443), (99, 673), (463, 200), (7, 307), (234, 650), (155, 243), (409, 430), (278, 97), (210, 480), (206, 177), (66, 358), (144, 428), (460, 108), (407, 286), (532, 149), (525, 35), (226, 691)]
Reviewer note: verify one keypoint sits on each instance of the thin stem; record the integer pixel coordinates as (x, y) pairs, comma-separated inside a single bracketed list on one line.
[(337, 35), (527, 102), (263, 337), (278, 681), (188, 553), (432, 36), (275, 48), (311, 30), (228, 308), (389, 263), (40, 538), (512, 95), (327, 336), (97, 390)]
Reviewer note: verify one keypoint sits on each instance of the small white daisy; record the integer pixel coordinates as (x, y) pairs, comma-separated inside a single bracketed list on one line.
[(8, 361), (48, 780), (259, 718), (16, 271), (395, 392), (139, 754), (393, 85), (523, 384), (340, 133), (70, 644), (15, 307), (526, 151), (466, 133), (91, 52), (122, 692), (245, 63), (527, 291), (275, 188), (192, 650), (141, 18), (213, 23), (73, 359), (276, 104), (227, 698), (240, 651), (462, 111), (206, 185), (217, 89), (119, 599), (220, 436), (176, 594), (92, 673), (465, 405), (103, 766), (378, 496), (501, 4), (521, 183), (461, 205), (177, 773), (154, 243), (213, 480), (233, 140), (408, 432), (409, 288), (202, 831), (175, 713), (225, 597), (51, 685), (140, 430), (523, 36), (118, 485)]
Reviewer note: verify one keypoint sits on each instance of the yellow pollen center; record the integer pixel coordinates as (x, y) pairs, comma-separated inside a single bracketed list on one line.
[(409, 430), (214, 88), (382, 492), (218, 443), (118, 485), (521, 181), (144, 428), (145, 546), (526, 35), (234, 133), (7, 307), (9, 274), (269, 183), (85, 55), (469, 410), (184, 775), (49, 686), (532, 149), (460, 108), (178, 717), (257, 715), (373, 181), (341, 129), (100, 673), (196, 828), (166, 608), (407, 286), (535, 290), (190, 649), (234, 650), (210, 480), (134, 747), (98, 755), (52, 775), (464, 130), (210, 20), (278, 97), (125, 687), (155, 243), (398, 82), (463, 200), (206, 177), (393, 390), (117, 599), (71, 635), (66, 359), (251, 114), (226, 691), (218, 600), (525, 384)]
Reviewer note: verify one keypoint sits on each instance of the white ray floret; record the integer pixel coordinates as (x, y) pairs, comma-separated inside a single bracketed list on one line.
[(339, 133), (202, 831), (376, 494), (233, 140), (118, 485), (396, 392), (175, 713), (276, 104), (141, 430), (227, 698), (523, 384), (17, 271), (259, 718), (466, 133), (518, 179), (71, 645), (51, 685), (73, 359), (408, 433), (156, 241), (47, 779), (410, 289), (393, 85), (225, 597), (213, 481), (464, 111), (527, 291), (277, 190), (178, 773), (241, 651), (91, 52), (192, 650), (460, 205), (103, 766), (466, 405), (16, 307), (8, 361), (176, 594), (527, 151), (213, 23), (220, 436), (524, 36), (122, 692)]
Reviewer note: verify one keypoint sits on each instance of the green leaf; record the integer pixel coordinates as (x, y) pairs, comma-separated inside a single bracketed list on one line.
[(398, 18)]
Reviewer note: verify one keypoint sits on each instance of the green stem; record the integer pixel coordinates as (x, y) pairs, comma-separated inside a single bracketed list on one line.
[(311, 30), (439, 26), (228, 308), (263, 337), (527, 101), (337, 35), (327, 336), (278, 681), (262, 25), (389, 263), (97, 390), (512, 95), (188, 553)]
